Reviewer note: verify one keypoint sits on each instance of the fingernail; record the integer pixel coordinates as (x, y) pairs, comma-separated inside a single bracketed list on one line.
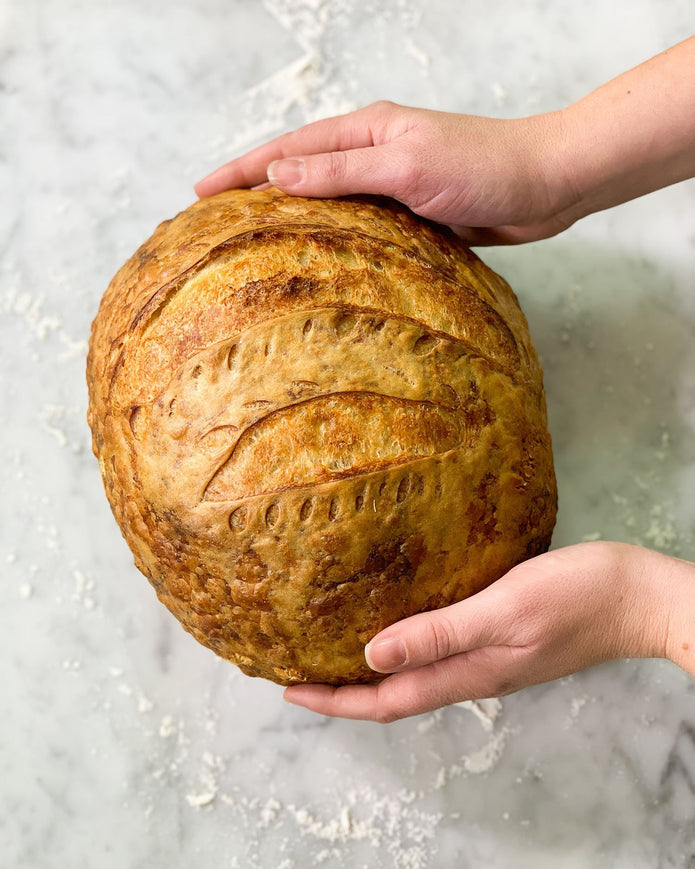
[(386, 655), (286, 173)]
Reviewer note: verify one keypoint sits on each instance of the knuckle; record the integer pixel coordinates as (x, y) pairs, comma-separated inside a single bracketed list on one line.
[(410, 178), (514, 672), (440, 640), (387, 709), (382, 107), (386, 119), (335, 166), (386, 716), (498, 684), (285, 143), (409, 165), (503, 685)]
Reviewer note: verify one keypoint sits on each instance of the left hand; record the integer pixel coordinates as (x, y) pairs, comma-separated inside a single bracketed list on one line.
[(492, 181), (548, 617)]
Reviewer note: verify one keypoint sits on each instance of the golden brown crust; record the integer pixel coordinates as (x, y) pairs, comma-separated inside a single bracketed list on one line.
[(314, 418)]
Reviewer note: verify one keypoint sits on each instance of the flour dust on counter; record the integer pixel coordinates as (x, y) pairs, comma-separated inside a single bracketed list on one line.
[(397, 826), (323, 80), (126, 744)]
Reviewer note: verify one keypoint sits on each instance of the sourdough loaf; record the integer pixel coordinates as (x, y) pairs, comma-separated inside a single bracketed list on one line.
[(314, 418)]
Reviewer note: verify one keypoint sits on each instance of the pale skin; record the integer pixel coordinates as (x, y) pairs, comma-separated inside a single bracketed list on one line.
[(506, 182)]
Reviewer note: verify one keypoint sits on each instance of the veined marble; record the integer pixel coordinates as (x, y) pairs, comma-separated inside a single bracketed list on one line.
[(124, 743)]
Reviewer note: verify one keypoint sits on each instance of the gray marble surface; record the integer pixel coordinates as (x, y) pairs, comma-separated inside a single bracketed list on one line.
[(125, 744)]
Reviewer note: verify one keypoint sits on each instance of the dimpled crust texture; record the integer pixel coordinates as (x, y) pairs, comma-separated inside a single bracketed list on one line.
[(314, 418)]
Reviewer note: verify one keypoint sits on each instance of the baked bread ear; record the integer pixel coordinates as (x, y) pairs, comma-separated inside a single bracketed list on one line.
[(314, 418)]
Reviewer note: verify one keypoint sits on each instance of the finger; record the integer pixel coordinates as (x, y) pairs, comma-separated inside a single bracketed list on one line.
[(381, 169), (349, 701), (488, 672), (481, 620), (352, 130)]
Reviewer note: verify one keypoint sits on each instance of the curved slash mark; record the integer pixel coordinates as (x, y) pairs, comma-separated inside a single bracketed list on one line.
[(364, 468)]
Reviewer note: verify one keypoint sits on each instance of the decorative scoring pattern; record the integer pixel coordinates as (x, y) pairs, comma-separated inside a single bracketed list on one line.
[(315, 397)]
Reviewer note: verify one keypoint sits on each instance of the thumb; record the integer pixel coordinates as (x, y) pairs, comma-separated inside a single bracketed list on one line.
[(427, 637), (375, 169)]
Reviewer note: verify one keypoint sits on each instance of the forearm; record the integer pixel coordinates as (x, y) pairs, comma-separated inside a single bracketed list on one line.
[(631, 136)]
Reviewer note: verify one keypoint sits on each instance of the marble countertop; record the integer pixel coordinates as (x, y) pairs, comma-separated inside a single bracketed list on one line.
[(124, 743)]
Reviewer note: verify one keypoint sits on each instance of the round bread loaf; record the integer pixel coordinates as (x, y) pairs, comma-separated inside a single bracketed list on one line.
[(314, 418)]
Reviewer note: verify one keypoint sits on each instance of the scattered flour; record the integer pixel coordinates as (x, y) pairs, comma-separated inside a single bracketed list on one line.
[(327, 854), (201, 799), (29, 308), (72, 664), (661, 533), (39, 325), (419, 56), (477, 762), (486, 711), (500, 95), (486, 757), (577, 704), (399, 827), (270, 812), (83, 590), (396, 825), (428, 721), (144, 704), (309, 85), (168, 727), (314, 85), (49, 416), (208, 782), (389, 823), (52, 419)]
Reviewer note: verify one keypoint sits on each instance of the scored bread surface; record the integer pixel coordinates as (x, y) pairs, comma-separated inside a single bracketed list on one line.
[(314, 418)]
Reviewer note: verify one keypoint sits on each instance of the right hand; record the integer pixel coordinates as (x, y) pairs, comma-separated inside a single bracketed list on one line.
[(492, 181), (553, 615)]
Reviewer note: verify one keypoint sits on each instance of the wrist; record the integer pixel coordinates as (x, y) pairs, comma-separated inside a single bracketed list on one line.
[(643, 600), (632, 135), (660, 611), (553, 168), (679, 645), (599, 161)]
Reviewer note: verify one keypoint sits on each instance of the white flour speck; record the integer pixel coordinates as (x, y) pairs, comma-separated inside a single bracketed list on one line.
[(486, 711), (419, 56)]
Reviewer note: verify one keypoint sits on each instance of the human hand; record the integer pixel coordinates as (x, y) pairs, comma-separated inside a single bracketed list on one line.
[(548, 617), (492, 181), (495, 181)]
